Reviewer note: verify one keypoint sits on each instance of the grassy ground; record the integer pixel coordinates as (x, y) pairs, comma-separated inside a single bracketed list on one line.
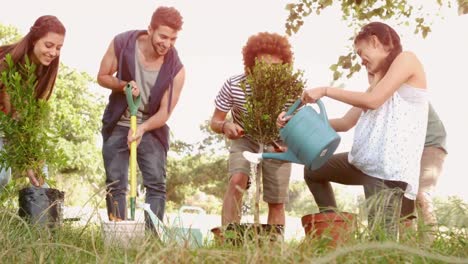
[(23, 243)]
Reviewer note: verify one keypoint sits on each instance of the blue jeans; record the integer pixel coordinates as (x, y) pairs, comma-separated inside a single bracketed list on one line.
[(151, 159)]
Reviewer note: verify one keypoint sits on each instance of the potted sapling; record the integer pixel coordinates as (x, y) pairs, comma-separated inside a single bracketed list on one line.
[(29, 144), (270, 89)]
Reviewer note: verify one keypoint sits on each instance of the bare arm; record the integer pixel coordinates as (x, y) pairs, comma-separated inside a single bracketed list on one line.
[(218, 120), (406, 68), (219, 124), (107, 69), (346, 122)]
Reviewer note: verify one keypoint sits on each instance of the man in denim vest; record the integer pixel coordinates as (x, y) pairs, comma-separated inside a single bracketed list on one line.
[(148, 61)]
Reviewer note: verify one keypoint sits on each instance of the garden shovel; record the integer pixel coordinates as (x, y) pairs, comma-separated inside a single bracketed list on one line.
[(133, 105)]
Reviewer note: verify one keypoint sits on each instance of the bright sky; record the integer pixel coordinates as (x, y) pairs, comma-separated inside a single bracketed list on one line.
[(210, 47)]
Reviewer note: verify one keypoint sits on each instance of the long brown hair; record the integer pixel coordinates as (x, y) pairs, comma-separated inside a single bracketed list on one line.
[(47, 74), (386, 35)]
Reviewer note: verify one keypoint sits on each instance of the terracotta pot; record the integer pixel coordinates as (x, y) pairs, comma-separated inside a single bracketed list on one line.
[(238, 234), (338, 227)]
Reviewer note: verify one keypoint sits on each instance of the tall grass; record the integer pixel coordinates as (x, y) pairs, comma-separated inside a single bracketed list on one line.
[(21, 242)]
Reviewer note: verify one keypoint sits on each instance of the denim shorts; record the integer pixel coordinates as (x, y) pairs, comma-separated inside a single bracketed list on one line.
[(276, 173)]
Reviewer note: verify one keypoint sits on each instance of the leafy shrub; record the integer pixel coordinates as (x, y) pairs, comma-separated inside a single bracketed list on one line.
[(29, 140), (268, 88)]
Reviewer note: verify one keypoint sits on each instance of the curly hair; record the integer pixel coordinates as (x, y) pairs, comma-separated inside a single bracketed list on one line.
[(266, 43), (167, 16)]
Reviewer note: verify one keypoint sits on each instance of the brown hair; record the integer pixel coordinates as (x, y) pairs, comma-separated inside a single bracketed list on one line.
[(46, 77), (386, 35), (166, 16), (266, 43)]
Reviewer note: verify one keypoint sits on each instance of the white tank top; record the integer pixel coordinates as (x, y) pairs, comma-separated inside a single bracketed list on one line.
[(388, 141)]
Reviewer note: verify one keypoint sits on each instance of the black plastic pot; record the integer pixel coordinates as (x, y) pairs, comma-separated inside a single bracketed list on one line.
[(41, 206)]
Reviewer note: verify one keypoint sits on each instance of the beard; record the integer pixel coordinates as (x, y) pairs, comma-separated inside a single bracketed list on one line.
[(158, 49)]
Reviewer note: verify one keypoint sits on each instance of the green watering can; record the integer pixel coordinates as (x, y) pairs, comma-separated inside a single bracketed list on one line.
[(310, 139)]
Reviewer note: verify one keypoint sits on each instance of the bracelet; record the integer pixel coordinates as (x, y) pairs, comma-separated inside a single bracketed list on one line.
[(222, 126)]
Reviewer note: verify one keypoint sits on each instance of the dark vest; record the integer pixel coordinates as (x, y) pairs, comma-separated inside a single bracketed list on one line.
[(124, 46)]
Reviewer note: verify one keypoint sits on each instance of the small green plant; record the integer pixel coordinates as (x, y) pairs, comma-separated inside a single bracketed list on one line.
[(29, 141), (272, 87)]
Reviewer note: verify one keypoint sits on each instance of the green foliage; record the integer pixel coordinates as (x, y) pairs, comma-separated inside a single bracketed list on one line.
[(78, 243), (357, 13), (462, 7), (8, 34), (30, 141), (192, 174), (271, 86), (197, 173), (451, 212), (76, 118)]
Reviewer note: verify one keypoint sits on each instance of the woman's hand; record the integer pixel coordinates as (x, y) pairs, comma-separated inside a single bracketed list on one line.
[(282, 120), (232, 130), (313, 94), (32, 178)]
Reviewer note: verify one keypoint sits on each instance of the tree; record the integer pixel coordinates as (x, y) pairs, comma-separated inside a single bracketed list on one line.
[(8, 34), (76, 116), (196, 170), (358, 12), (462, 7)]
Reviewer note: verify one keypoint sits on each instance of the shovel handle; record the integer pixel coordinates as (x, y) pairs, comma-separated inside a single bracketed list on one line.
[(133, 164), (133, 104)]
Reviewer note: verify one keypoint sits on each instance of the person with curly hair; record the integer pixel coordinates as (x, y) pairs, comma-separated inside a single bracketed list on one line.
[(270, 48), (42, 45), (149, 62)]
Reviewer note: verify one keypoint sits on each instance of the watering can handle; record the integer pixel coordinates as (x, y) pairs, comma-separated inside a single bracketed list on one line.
[(323, 112), (132, 104), (293, 107)]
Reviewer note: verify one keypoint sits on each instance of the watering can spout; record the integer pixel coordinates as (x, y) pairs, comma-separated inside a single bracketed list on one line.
[(285, 156), (257, 157), (158, 224)]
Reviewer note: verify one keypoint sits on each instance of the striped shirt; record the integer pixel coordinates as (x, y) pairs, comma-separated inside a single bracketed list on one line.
[(231, 97)]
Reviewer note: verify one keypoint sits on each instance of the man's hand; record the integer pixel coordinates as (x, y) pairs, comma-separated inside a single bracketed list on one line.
[(138, 135), (232, 130), (135, 89), (282, 119)]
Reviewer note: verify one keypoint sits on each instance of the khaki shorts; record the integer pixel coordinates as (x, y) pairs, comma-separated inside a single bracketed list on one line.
[(276, 173)]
